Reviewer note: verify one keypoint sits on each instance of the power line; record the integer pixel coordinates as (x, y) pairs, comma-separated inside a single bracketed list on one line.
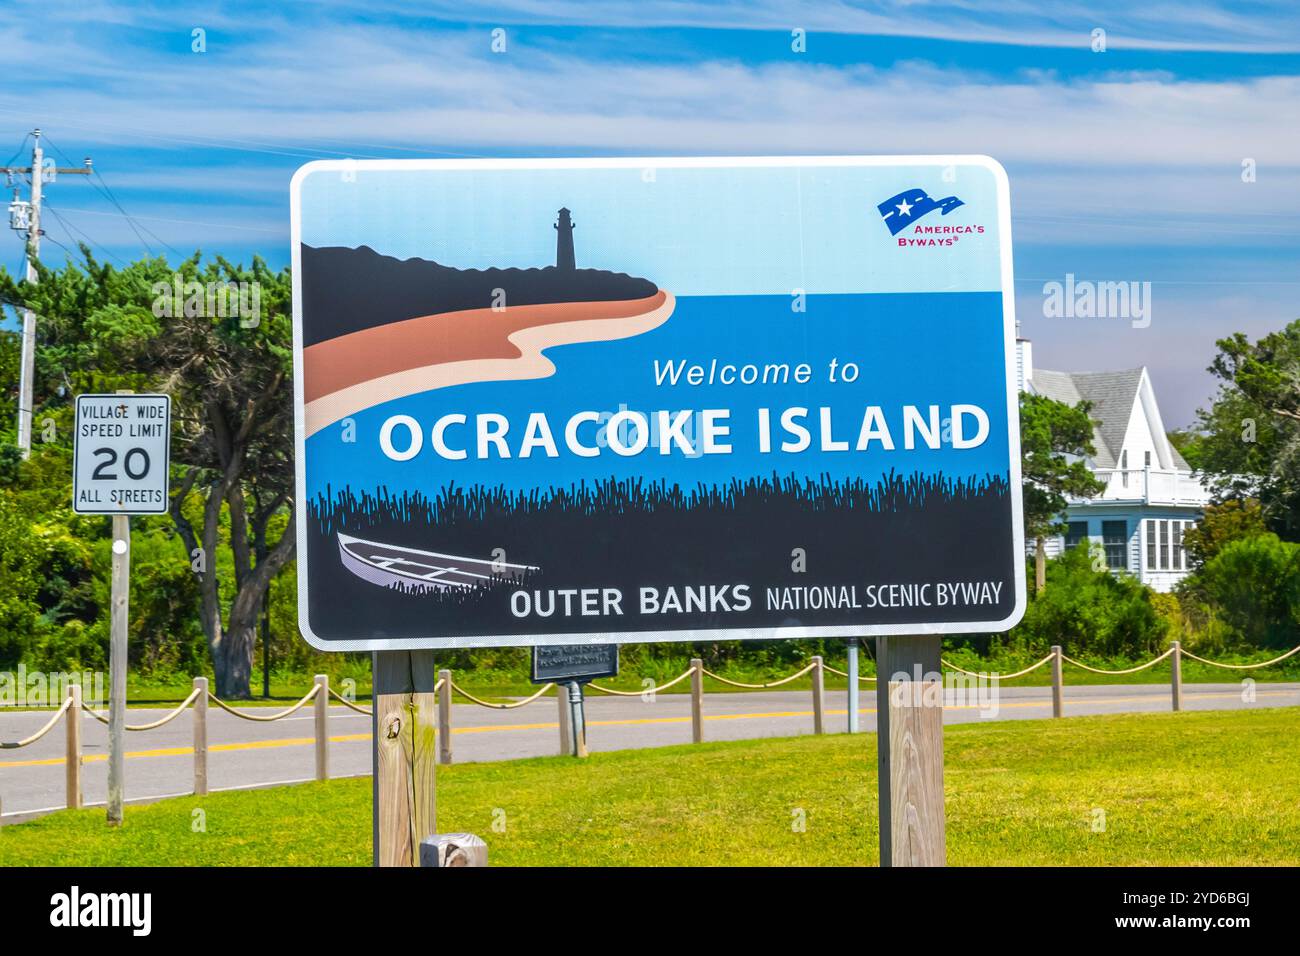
[(188, 222), (131, 219), (69, 228), (108, 194), (19, 150), (57, 243)]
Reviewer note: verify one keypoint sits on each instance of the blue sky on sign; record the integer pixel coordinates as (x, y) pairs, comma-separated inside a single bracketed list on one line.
[(1125, 165)]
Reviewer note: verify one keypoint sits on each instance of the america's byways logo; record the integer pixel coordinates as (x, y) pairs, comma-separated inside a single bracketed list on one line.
[(908, 207)]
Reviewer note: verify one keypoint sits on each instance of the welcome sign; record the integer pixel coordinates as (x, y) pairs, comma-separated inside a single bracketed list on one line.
[(620, 400)]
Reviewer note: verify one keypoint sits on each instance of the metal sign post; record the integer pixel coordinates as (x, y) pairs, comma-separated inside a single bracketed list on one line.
[(609, 401), (571, 666), (121, 453), (578, 719), (852, 668)]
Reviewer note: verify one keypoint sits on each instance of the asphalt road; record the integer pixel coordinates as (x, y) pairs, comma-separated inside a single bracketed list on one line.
[(244, 754)]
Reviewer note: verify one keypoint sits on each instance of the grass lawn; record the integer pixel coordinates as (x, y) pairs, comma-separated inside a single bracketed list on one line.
[(1175, 789)]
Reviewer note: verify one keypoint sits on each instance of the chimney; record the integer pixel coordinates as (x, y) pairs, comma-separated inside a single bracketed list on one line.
[(1024, 360)]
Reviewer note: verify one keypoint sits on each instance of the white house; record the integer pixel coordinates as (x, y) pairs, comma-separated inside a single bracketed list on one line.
[(1151, 494)]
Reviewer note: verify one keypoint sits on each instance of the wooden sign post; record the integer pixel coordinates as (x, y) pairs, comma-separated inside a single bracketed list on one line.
[(405, 754), (120, 455), (909, 749), (119, 614)]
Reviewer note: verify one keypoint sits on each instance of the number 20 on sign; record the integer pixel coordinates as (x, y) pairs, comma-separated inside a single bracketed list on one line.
[(120, 454)]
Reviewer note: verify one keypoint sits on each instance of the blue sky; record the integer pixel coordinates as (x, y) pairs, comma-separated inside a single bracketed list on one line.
[(1125, 165)]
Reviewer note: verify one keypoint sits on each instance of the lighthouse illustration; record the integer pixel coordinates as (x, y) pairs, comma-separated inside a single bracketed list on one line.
[(564, 242)]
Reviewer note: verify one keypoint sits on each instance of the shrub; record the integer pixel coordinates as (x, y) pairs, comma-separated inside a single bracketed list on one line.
[(1092, 612), (1253, 586)]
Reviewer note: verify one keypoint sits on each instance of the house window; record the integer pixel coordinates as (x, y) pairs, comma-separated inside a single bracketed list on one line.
[(1114, 537), (1123, 467), (1165, 551), (1146, 459), (1075, 532)]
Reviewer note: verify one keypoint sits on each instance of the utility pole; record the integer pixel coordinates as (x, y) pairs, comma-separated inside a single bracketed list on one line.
[(25, 218)]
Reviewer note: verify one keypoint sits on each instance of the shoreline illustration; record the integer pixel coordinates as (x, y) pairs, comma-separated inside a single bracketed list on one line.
[(425, 353), (383, 328)]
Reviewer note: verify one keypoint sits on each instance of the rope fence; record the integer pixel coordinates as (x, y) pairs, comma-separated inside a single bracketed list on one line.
[(511, 706), (258, 717), (993, 676), (321, 692), (157, 723)]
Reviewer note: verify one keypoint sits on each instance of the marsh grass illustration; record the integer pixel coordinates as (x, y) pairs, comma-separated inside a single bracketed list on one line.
[(632, 533)]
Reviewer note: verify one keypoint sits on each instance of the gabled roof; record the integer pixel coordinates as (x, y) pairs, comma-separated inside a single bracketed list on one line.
[(1112, 394)]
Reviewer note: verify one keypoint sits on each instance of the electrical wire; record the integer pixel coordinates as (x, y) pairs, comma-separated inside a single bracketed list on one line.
[(103, 189), (19, 150), (69, 228), (98, 175)]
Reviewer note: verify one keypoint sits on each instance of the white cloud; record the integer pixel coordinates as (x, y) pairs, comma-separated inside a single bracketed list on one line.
[(1203, 26), (1130, 157)]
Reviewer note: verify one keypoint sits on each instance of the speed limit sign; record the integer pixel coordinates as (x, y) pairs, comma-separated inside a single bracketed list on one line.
[(120, 454)]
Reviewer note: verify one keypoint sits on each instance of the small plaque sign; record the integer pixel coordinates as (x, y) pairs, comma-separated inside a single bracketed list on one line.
[(562, 663)]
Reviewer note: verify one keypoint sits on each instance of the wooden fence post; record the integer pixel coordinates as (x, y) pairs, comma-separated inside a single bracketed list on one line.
[(404, 760), (72, 755), (819, 695), (697, 700), (566, 733), (1176, 675), (1058, 689), (444, 717), (201, 737), (909, 750), (322, 703)]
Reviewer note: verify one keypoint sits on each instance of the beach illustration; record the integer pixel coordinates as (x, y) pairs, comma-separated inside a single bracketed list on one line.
[(385, 328)]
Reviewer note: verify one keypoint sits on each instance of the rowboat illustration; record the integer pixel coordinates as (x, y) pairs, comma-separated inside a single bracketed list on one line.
[(419, 572)]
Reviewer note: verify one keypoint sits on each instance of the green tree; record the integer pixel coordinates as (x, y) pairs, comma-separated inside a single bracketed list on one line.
[(1054, 440), (1249, 443), (1221, 524), (228, 371), (1253, 585), (1188, 443)]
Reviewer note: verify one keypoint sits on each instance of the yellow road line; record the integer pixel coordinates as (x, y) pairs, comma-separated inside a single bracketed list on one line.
[(493, 728)]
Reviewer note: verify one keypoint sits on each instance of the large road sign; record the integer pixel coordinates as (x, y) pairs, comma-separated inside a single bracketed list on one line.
[(120, 451), (619, 400)]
